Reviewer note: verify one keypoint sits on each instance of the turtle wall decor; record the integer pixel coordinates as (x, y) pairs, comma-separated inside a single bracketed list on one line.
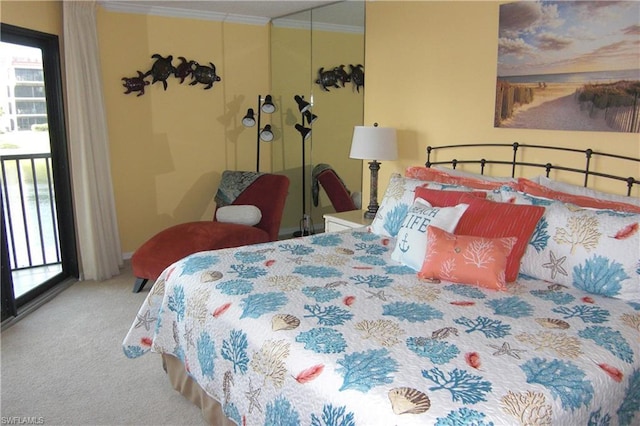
[(135, 84), (205, 75), (184, 69), (163, 69), (337, 77)]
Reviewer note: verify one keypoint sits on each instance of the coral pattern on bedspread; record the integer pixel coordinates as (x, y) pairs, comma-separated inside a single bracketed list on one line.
[(328, 330)]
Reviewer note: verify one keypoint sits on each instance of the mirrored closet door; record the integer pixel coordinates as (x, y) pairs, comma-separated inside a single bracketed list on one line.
[(305, 49)]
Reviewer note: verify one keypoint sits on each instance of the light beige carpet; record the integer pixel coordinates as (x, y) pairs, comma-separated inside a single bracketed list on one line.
[(63, 364)]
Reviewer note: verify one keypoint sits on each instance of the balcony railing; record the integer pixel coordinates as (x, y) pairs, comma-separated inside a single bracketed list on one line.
[(29, 204)]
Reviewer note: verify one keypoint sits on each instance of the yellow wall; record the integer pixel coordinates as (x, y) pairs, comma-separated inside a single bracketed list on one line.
[(45, 16), (431, 70), (169, 148)]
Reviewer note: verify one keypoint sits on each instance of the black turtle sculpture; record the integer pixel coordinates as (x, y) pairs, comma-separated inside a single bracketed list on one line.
[(161, 69), (327, 79), (205, 75), (135, 84), (341, 75), (184, 69), (357, 76)]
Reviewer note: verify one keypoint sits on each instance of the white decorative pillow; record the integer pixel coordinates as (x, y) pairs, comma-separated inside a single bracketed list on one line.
[(411, 244), (239, 214), (395, 204), (585, 192), (597, 251)]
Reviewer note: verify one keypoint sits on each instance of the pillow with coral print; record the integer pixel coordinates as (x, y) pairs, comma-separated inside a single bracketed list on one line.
[(466, 259), (411, 244), (597, 251), (394, 206)]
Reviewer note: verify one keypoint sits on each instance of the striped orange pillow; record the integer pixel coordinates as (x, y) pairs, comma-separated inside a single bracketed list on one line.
[(529, 187), (434, 175), (489, 219), (466, 259)]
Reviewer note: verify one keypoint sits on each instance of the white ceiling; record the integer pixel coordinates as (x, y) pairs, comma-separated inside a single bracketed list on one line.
[(256, 11)]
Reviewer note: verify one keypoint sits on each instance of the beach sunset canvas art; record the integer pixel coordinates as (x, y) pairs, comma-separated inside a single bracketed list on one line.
[(569, 65)]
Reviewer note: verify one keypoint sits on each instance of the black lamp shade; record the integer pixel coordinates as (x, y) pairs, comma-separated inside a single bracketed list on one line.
[(268, 106), (302, 104), (310, 117), (305, 132), (249, 119), (266, 134)]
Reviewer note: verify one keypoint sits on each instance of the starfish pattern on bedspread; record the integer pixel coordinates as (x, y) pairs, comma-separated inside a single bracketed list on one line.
[(313, 333)]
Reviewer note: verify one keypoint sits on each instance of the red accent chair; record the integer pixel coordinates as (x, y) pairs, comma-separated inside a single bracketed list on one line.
[(268, 192), (336, 191)]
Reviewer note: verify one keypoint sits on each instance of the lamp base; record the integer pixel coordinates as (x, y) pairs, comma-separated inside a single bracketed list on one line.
[(374, 166), (306, 227), (370, 214)]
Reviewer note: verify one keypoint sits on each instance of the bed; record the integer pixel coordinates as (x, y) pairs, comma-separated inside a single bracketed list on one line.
[(380, 325)]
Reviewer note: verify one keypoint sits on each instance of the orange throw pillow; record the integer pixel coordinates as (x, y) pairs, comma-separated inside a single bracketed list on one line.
[(529, 187), (434, 175), (440, 198), (489, 219), (465, 259)]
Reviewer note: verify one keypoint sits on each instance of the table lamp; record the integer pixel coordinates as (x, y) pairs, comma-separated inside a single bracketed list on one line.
[(373, 143)]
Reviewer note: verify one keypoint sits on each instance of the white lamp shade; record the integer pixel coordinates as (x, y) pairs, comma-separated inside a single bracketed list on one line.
[(374, 143)]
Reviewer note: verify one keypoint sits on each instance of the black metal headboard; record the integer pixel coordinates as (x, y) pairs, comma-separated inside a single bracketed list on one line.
[(586, 171)]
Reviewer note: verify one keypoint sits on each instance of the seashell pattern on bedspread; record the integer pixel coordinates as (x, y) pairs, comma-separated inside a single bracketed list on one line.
[(329, 330)]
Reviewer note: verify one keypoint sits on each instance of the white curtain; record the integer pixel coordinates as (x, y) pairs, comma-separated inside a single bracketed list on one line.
[(97, 226)]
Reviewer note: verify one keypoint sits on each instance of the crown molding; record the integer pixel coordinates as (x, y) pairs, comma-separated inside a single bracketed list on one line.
[(321, 26), (174, 12)]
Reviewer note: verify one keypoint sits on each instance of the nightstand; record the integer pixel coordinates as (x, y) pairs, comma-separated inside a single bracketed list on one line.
[(334, 222)]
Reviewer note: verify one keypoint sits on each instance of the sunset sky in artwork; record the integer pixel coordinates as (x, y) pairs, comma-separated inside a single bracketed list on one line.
[(549, 37)]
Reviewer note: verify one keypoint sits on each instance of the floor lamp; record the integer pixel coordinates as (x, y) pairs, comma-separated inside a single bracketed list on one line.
[(306, 226), (373, 143), (249, 120)]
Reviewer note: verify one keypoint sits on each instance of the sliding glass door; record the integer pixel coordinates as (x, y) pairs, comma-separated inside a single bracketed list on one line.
[(38, 238)]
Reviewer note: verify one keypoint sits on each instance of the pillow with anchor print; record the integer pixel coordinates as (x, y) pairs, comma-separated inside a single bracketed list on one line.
[(395, 204), (411, 244)]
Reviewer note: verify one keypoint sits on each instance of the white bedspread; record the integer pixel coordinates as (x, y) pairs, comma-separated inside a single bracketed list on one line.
[(328, 330)]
